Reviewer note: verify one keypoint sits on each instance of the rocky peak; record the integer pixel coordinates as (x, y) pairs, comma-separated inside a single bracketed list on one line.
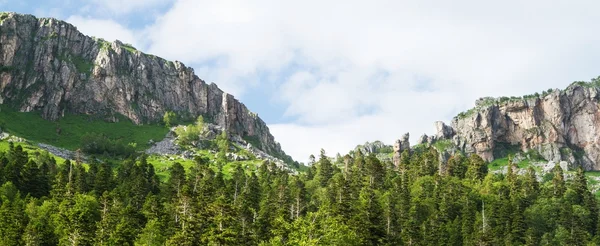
[(400, 146), (47, 65)]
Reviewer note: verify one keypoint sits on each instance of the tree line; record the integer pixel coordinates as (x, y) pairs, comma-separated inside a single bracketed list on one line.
[(353, 200)]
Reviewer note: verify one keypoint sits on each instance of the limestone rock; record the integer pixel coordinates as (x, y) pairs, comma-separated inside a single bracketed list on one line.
[(443, 131), (553, 124), (166, 146), (399, 146), (371, 147), (47, 65)]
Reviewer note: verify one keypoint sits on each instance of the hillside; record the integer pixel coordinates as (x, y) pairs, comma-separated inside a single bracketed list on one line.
[(47, 66)]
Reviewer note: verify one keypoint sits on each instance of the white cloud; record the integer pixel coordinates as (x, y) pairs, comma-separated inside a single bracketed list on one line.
[(367, 70), (106, 29), (127, 6)]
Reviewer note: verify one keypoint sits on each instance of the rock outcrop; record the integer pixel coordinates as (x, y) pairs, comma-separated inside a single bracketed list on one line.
[(372, 147), (442, 130), (400, 146), (423, 139), (47, 65), (561, 125)]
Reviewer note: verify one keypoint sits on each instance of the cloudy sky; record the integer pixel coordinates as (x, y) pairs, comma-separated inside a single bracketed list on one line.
[(333, 74)]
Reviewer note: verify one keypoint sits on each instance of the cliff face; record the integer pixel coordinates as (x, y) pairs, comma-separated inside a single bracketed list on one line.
[(47, 65), (562, 125)]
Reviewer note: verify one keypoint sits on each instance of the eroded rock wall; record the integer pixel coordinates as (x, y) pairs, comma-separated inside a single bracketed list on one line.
[(561, 125), (49, 66)]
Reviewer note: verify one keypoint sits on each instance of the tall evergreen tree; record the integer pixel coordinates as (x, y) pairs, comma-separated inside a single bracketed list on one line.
[(325, 169)]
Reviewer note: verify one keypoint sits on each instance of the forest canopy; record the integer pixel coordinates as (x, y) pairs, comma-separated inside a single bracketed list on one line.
[(358, 200)]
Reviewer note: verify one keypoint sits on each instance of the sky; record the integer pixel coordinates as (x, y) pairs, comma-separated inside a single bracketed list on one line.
[(334, 74)]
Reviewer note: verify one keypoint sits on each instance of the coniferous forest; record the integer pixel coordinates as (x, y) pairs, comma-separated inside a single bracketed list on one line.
[(353, 200)]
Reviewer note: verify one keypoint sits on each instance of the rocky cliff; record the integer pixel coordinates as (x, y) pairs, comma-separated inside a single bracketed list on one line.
[(47, 65), (561, 125)]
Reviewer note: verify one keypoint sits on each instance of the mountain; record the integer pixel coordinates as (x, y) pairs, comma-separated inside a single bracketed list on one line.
[(559, 125), (47, 65)]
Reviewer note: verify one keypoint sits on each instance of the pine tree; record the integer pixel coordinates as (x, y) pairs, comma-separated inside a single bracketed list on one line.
[(129, 225), (17, 158), (176, 180), (325, 169), (109, 211), (76, 220), (477, 169), (373, 231), (80, 184), (104, 178), (222, 231), (12, 217), (152, 234), (404, 161), (579, 185), (39, 230), (558, 182), (456, 166), (30, 179), (531, 186), (375, 172)]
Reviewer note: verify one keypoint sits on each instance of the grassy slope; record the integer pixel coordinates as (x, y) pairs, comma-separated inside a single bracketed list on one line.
[(163, 163), (499, 163), (593, 177), (34, 128), (32, 151)]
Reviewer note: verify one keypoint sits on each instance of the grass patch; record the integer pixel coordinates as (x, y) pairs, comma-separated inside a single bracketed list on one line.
[(33, 151), (443, 144), (3, 16), (524, 164), (592, 174), (419, 148), (129, 48), (163, 163), (68, 131), (82, 65), (498, 164), (102, 44), (593, 179)]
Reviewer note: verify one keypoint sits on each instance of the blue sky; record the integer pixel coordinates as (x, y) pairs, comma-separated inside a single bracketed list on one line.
[(333, 74)]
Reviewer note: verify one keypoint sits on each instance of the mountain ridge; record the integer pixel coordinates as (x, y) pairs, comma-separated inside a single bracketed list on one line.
[(47, 65)]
